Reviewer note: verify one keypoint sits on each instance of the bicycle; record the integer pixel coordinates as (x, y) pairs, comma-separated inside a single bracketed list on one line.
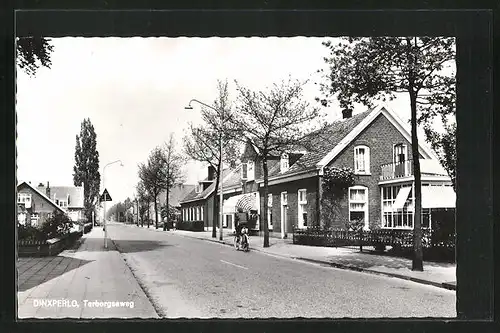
[(243, 243)]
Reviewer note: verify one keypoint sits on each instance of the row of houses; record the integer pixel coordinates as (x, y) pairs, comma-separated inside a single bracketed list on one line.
[(375, 144), (36, 204)]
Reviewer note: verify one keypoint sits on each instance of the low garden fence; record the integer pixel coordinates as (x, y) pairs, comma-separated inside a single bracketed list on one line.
[(435, 243), (50, 247)]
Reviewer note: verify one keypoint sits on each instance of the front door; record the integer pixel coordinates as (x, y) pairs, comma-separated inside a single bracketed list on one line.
[(284, 213)]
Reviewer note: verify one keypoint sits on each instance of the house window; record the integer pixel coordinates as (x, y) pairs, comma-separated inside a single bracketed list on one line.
[(284, 163), (361, 159), (24, 198), (400, 153), (358, 204), (244, 171), (270, 211), (397, 208), (250, 170), (284, 198), (302, 208), (202, 217), (63, 203)]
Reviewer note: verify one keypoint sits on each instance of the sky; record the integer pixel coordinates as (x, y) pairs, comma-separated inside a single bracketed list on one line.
[(134, 91)]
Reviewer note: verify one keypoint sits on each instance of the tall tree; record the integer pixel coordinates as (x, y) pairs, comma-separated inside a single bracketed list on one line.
[(144, 201), (33, 52), (173, 163), (86, 168), (273, 121), (367, 69), (153, 175), (203, 143)]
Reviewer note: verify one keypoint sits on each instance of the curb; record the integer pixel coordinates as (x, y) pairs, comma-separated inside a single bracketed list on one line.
[(444, 285), (159, 311)]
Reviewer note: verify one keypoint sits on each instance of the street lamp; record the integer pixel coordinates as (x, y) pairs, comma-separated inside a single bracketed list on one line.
[(104, 213), (189, 107)]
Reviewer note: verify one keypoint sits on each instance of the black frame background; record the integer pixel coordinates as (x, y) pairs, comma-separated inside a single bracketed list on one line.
[(476, 61)]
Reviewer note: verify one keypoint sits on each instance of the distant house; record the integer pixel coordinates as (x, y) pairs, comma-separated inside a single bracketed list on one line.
[(69, 198), (176, 194), (38, 207), (198, 204)]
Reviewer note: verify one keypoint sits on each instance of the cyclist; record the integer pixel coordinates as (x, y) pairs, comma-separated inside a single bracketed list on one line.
[(238, 226)]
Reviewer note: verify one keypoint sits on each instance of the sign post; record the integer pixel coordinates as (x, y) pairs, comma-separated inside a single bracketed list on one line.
[(105, 197)]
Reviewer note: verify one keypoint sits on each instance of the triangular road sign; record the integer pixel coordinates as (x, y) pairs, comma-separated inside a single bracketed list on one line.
[(105, 196)]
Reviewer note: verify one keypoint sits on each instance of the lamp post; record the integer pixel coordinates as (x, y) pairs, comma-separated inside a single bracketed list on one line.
[(189, 107), (104, 204)]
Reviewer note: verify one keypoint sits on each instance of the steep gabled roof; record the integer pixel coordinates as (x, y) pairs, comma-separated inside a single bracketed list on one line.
[(41, 194), (75, 193), (193, 196), (317, 144), (322, 146), (176, 194)]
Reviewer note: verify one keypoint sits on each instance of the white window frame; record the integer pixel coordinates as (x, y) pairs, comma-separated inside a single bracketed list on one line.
[(284, 163), (365, 202), (63, 203), (301, 208), (404, 214), (405, 146), (202, 218), (284, 198), (269, 210), (366, 160), (24, 198), (244, 171), (250, 170)]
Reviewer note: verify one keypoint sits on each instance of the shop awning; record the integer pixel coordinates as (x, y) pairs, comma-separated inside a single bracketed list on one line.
[(401, 198), (245, 202), (438, 197)]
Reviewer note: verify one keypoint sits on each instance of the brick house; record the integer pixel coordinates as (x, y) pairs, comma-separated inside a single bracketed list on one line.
[(375, 144), (38, 207), (197, 205), (176, 194), (69, 198)]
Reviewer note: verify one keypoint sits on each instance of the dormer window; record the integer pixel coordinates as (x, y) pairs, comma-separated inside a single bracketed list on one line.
[(362, 160), (244, 171), (284, 164), (250, 170)]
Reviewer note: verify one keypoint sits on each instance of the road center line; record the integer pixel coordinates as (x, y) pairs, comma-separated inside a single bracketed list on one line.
[(230, 263)]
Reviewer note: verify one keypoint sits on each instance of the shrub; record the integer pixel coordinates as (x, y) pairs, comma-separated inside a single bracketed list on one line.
[(29, 233), (57, 226)]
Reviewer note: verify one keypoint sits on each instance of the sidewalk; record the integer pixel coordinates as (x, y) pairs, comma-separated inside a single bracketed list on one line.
[(441, 275), (57, 287)]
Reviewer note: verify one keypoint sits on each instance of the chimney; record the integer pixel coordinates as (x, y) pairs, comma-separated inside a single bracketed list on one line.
[(211, 172), (346, 113), (47, 190)]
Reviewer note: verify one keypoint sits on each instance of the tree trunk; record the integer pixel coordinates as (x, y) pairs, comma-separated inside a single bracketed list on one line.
[(156, 211), (215, 211), (417, 263), (149, 215), (165, 224), (266, 192)]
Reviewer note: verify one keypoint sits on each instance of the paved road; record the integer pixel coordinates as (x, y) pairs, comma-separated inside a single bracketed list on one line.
[(186, 277)]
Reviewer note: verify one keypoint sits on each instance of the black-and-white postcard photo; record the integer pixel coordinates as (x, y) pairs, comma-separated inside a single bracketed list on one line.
[(261, 177)]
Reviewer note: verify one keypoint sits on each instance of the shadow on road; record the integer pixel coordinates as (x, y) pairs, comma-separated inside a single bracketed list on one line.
[(131, 246), (35, 271)]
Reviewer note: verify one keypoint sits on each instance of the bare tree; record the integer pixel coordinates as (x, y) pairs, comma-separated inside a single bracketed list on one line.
[(172, 167), (273, 121), (152, 174), (203, 142)]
